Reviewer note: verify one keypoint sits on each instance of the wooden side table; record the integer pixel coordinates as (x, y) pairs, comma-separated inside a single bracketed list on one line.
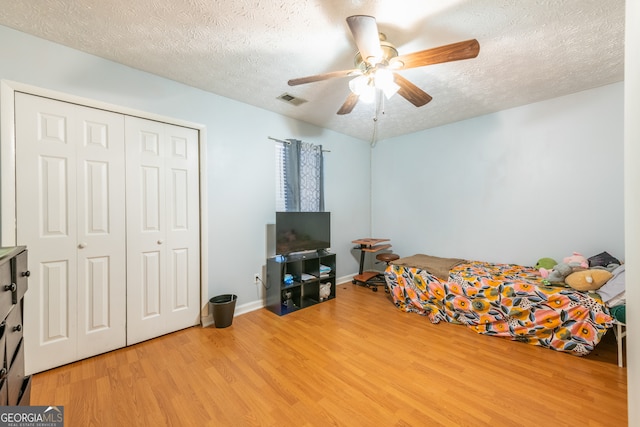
[(370, 279)]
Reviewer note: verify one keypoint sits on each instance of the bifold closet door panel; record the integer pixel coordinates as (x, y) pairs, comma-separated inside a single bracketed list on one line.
[(163, 243), (70, 214), (101, 234)]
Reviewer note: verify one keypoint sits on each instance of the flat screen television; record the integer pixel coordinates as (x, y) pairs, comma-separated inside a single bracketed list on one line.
[(302, 231)]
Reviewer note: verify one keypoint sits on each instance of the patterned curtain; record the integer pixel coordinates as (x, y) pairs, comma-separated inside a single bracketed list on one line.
[(303, 178)]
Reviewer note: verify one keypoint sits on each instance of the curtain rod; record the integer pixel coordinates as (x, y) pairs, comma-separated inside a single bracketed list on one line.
[(287, 142)]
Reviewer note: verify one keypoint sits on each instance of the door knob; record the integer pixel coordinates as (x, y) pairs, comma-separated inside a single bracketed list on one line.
[(160, 241), (82, 245)]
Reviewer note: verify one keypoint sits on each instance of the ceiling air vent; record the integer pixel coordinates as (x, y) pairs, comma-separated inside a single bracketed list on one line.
[(290, 99)]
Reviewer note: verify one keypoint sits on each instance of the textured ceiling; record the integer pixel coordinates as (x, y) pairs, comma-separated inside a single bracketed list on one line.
[(247, 50)]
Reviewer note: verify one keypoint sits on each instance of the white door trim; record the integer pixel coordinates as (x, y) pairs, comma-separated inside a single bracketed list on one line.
[(8, 230)]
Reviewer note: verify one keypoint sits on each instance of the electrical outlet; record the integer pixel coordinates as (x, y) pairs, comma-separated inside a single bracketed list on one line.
[(256, 278)]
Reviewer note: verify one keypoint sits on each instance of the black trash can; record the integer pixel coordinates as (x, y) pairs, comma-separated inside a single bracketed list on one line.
[(223, 307)]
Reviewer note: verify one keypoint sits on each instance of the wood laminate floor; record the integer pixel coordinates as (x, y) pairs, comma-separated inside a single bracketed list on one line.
[(352, 361)]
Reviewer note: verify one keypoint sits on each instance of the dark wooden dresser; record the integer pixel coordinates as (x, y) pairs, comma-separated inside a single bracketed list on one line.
[(15, 387)]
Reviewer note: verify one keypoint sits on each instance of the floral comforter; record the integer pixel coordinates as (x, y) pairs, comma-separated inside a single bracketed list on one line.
[(504, 300)]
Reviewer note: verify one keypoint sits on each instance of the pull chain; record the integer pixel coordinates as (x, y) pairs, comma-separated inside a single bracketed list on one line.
[(378, 112)]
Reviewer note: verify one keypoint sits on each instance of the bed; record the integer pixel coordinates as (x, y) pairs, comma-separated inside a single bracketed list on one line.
[(613, 294), (503, 300)]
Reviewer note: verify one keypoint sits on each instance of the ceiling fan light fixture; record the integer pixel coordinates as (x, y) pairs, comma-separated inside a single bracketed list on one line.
[(369, 95), (364, 87), (356, 85), (385, 82)]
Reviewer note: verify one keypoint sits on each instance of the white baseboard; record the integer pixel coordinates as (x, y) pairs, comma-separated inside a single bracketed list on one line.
[(257, 305)]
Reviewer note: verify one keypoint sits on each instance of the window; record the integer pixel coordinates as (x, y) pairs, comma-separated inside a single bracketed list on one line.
[(299, 177)]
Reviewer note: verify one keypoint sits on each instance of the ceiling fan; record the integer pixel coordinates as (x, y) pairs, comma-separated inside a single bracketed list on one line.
[(377, 61)]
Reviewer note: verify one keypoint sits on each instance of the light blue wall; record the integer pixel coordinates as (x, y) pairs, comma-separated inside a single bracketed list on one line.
[(240, 158), (539, 180), (545, 179)]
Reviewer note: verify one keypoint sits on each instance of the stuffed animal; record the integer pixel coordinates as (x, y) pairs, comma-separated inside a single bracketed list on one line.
[(588, 280), (325, 291), (576, 261), (557, 274), (546, 263)]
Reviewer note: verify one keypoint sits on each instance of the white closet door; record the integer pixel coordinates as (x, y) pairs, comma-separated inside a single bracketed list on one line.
[(163, 246), (102, 291), (70, 215)]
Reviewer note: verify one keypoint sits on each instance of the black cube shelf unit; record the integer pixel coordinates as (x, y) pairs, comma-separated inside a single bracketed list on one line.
[(309, 273)]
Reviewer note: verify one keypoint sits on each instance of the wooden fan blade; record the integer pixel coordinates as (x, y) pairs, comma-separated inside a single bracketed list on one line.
[(325, 76), (451, 52), (411, 92), (348, 105), (365, 33)]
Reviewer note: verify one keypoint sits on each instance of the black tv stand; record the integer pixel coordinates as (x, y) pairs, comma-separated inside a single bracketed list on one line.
[(311, 272)]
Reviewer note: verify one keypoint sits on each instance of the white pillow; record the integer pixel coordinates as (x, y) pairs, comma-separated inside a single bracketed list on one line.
[(620, 299), (614, 286)]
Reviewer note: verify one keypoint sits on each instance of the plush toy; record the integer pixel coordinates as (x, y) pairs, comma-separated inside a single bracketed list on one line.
[(576, 261), (557, 274), (546, 263), (325, 291), (588, 280)]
